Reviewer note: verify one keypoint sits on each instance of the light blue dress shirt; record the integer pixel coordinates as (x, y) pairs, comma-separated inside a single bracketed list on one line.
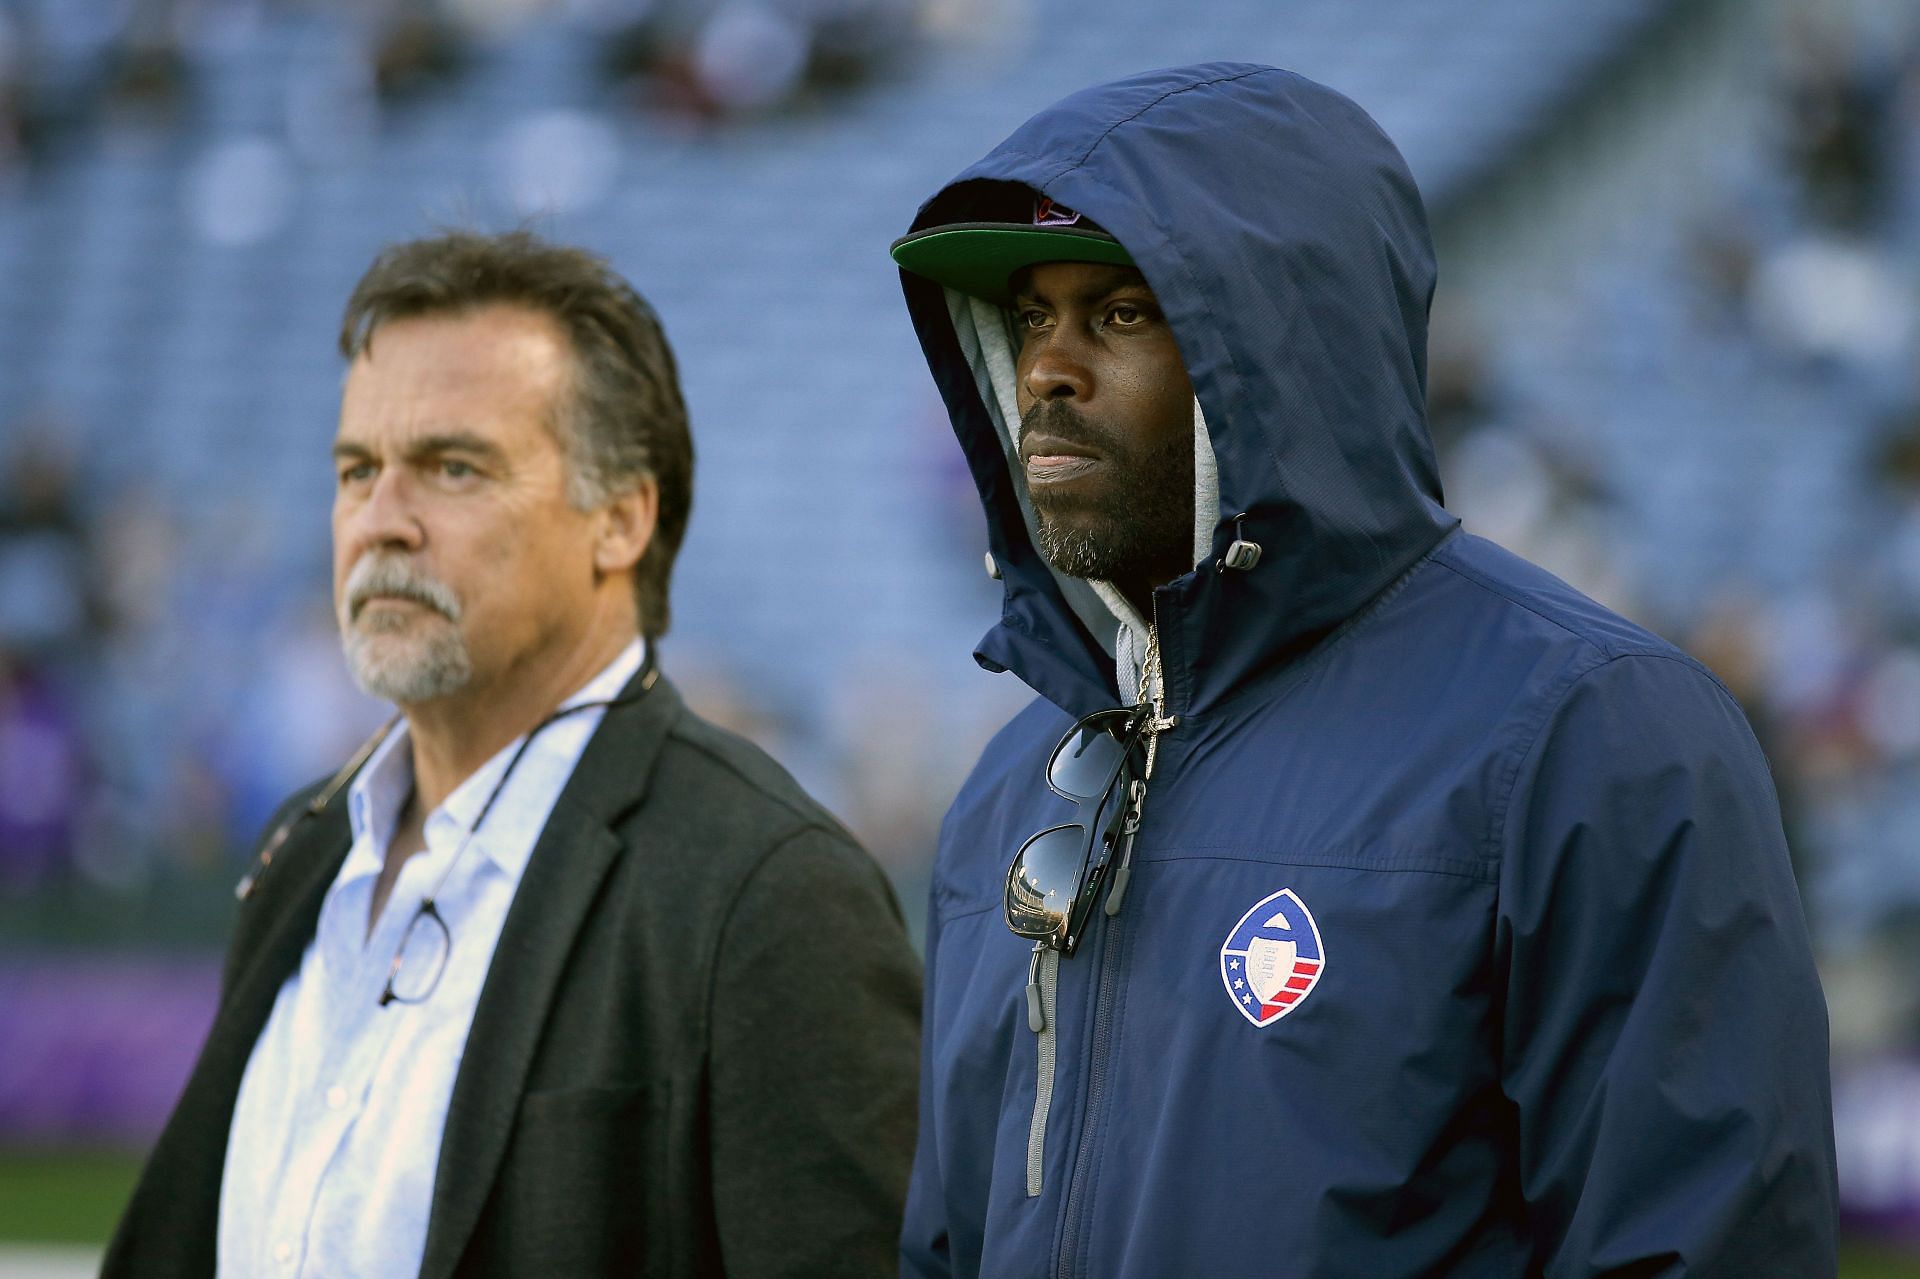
[(336, 1131)]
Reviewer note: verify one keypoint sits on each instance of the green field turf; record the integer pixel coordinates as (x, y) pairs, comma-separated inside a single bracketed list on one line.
[(76, 1196), (1873, 1263), (63, 1196)]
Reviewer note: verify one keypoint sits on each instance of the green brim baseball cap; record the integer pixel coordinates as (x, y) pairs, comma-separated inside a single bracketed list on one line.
[(978, 258)]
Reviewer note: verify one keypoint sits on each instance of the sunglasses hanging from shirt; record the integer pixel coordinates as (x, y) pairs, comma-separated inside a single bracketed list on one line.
[(1102, 764)]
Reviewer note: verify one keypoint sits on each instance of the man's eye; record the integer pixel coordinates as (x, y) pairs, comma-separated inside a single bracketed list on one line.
[(1126, 313), (454, 469), (357, 473), (1032, 319)]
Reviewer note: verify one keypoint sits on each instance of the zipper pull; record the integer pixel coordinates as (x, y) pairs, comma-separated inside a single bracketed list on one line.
[(1117, 894), (1036, 1015)]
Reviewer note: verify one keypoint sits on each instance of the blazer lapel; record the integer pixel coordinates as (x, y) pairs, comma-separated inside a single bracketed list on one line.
[(182, 1179), (558, 888), (306, 868)]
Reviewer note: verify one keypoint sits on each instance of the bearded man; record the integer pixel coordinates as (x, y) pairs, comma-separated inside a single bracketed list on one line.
[(1381, 906), (553, 977)]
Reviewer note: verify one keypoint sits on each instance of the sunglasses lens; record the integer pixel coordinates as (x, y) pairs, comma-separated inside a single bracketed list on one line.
[(1086, 760), (1040, 885)]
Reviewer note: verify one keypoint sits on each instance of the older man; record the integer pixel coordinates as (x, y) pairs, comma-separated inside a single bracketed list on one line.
[(555, 977)]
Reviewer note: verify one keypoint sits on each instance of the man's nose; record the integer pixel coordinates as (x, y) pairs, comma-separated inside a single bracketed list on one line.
[(1057, 372), (388, 519)]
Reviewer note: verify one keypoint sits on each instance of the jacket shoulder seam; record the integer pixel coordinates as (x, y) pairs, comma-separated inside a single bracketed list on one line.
[(1497, 833), (1493, 588), (1536, 727)]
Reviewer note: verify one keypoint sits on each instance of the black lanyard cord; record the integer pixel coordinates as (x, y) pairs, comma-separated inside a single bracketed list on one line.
[(649, 675)]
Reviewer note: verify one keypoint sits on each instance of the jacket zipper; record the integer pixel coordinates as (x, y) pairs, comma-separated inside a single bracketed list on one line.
[(1100, 1042)]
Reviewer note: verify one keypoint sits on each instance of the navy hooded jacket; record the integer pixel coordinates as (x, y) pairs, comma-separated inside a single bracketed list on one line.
[(1461, 938)]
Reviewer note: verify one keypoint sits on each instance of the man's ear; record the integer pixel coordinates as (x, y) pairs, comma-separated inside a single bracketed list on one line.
[(627, 522)]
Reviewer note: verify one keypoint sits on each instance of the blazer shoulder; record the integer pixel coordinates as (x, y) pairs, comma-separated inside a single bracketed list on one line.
[(723, 828), (718, 779)]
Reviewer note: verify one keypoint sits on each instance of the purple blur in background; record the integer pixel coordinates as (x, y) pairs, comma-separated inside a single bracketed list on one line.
[(95, 1050)]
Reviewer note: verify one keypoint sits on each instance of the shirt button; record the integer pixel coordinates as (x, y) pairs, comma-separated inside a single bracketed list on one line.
[(336, 1098), (283, 1252)]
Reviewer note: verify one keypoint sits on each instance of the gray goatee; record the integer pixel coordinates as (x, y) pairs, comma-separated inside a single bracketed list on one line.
[(385, 661)]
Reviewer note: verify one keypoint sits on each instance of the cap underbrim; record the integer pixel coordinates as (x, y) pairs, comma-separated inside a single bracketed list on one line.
[(978, 258)]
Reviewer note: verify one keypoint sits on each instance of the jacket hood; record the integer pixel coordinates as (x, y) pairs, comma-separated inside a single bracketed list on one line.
[(1289, 250)]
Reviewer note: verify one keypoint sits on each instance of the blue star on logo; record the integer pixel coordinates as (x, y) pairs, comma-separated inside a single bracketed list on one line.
[(1233, 963), (1246, 999), (1238, 985)]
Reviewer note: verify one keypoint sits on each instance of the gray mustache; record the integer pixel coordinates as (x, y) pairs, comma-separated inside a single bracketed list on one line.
[(390, 575)]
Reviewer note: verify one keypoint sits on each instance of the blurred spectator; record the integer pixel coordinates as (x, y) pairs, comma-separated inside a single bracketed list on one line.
[(18, 125), (416, 49), (48, 622), (1459, 384), (1898, 477), (1836, 136), (147, 79), (46, 564), (42, 780), (749, 57)]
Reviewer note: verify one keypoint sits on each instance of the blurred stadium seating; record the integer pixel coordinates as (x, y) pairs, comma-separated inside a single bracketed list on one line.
[(1677, 358)]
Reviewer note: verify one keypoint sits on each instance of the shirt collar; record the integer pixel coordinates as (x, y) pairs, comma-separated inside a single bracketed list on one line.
[(375, 797), (374, 800), (513, 827)]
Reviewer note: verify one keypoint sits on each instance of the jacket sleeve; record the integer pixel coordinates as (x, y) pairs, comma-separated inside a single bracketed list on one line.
[(815, 1033), (924, 1249), (1665, 1038)]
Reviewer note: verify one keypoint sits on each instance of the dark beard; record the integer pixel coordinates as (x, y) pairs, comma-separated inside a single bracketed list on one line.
[(1139, 526)]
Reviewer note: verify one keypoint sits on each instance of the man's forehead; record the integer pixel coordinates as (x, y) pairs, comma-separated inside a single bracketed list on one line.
[(475, 366), (405, 435), (484, 349), (1074, 280)]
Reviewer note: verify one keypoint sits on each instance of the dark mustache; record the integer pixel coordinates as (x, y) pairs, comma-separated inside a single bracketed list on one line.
[(1069, 426)]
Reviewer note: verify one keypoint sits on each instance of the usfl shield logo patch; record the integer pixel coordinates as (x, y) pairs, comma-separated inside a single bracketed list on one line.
[(1272, 959)]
